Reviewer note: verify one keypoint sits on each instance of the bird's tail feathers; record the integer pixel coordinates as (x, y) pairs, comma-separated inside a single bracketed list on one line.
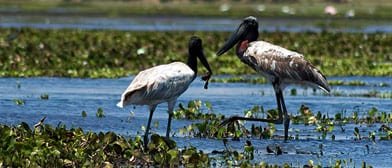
[(120, 104)]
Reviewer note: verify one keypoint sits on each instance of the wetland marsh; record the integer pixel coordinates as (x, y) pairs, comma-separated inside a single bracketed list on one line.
[(68, 98), (66, 64)]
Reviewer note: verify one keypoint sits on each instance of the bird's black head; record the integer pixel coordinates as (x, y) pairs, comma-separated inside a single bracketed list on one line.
[(248, 30), (196, 50), (195, 45)]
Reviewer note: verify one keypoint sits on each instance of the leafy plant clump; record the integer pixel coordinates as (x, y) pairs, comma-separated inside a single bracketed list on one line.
[(100, 113), (19, 102), (45, 146), (195, 111), (209, 125), (44, 96), (109, 53)]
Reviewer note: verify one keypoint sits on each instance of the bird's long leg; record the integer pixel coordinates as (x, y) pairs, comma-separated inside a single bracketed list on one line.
[(286, 121), (152, 109), (278, 96), (170, 107), (278, 93)]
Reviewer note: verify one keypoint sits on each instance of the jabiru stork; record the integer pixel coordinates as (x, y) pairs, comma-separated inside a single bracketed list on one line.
[(165, 83), (278, 65)]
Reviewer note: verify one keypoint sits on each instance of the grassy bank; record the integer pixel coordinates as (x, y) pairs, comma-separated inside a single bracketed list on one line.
[(98, 53), (379, 9)]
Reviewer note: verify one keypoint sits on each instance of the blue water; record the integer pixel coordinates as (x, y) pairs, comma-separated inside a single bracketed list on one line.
[(184, 24), (69, 97)]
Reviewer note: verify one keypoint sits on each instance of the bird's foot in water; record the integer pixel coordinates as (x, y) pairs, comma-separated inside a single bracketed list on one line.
[(275, 149), (232, 124), (228, 121)]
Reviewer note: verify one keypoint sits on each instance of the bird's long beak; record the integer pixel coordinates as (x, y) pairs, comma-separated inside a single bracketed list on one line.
[(239, 34), (204, 61)]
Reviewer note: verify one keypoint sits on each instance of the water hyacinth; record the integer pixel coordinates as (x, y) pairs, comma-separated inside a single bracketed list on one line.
[(71, 147), (44, 96), (207, 123), (62, 147), (109, 53)]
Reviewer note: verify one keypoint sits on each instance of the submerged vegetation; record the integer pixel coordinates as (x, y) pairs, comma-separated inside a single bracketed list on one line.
[(106, 53), (47, 146), (44, 145), (209, 123)]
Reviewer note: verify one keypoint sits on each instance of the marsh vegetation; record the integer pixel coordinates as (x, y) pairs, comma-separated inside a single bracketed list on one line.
[(59, 87), (30, 52)]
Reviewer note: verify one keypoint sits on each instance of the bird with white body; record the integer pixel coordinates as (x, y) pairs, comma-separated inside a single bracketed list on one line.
[(280, 66), (165, 83)]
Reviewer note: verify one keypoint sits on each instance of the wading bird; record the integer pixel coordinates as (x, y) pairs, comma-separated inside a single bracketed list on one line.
[(165, 83), (278, 65)]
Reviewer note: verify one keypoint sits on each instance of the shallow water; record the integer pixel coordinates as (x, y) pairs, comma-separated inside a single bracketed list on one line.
[(69, 97), (187, 23)]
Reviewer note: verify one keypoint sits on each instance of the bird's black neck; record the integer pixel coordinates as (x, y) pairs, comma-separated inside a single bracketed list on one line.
[(192, 62), (242, 45)]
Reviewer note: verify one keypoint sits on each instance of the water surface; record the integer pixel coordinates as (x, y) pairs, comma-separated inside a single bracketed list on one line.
[(68, 97), (161, 23)]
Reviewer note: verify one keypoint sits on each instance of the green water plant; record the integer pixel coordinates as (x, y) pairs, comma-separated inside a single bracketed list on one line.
[(324, 126), (209, 127), (44, 96), (195, 110), (84, 114), (100, 113), (346, 83), (357, 134), (210, 124), (19, 102), (46, 146), (111, 53)]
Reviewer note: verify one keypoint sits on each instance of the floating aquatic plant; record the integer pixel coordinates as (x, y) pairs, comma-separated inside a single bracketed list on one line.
[(195, 110), (109, 53), (44, 96), (100, 113), (210, 126), (45, 146), (19, 102), (84, 114)]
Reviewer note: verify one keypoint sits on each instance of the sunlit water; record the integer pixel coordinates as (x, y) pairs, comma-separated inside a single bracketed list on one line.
[(187, 23), (69, 97)]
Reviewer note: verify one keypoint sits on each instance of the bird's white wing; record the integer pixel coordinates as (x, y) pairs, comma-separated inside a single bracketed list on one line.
[(170, 81), (159, 83), (275, 61)]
